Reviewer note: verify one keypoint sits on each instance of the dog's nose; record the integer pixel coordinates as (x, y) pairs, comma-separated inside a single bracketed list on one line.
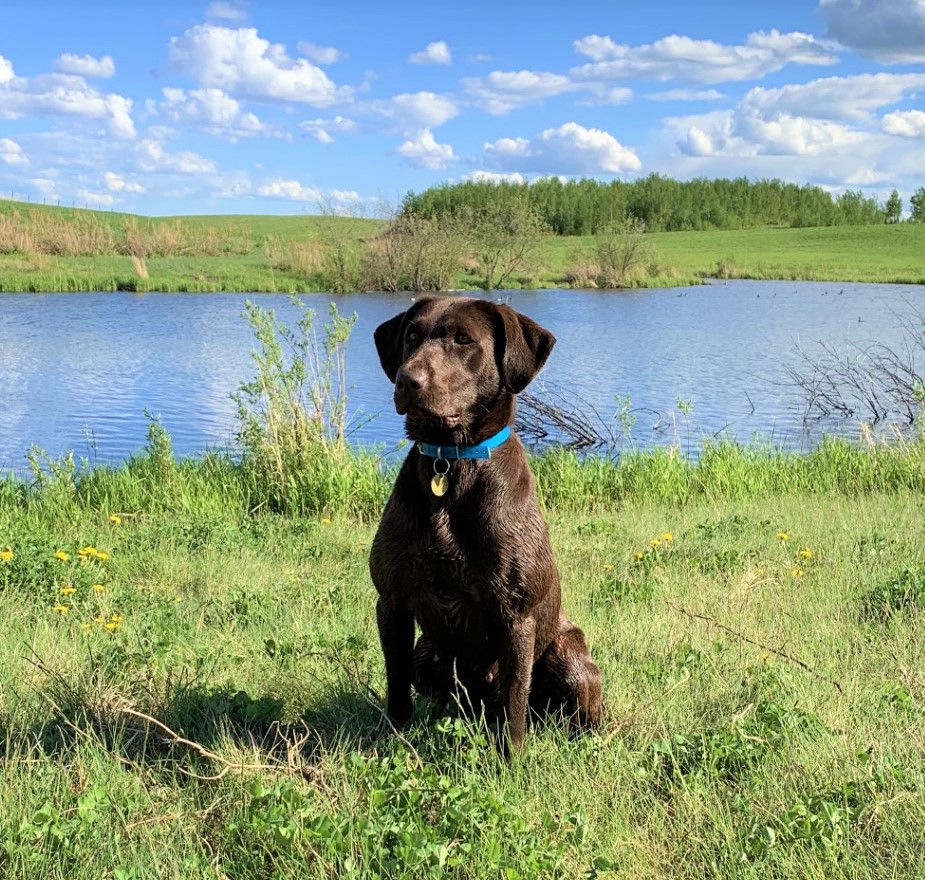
[(409, 380)]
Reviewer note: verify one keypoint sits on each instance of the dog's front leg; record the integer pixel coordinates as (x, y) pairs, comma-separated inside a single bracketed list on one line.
[(516, 671), (396, 635)]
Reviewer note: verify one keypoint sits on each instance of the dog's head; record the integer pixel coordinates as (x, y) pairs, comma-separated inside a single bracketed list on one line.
[(457, 363)]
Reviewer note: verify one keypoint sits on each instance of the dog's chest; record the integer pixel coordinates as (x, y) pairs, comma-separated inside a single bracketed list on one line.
[(454, 580)]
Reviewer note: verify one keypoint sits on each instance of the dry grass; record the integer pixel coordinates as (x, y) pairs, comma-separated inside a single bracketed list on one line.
[(140, 265)]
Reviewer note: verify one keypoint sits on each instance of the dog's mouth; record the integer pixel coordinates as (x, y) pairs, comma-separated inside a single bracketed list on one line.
[(435, 427), (405, 404)]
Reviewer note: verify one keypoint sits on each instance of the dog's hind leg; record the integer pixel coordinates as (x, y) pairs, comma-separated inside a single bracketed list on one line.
[(566, 681)]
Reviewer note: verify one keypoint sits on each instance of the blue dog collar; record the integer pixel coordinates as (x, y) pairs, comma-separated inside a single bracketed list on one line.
[(480, 450)]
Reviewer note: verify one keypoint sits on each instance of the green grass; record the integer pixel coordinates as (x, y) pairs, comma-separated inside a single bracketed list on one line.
[(765, 695), (866, 253), (890, 254)]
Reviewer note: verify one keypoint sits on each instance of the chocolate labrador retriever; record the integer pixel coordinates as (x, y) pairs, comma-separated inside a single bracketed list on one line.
[(462, 549)]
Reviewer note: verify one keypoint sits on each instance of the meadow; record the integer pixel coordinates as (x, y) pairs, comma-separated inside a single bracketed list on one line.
[(191, 684), (44, 248)]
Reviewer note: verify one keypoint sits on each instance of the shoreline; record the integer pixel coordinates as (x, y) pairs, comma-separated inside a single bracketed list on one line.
[(306, 254), (111, 284)]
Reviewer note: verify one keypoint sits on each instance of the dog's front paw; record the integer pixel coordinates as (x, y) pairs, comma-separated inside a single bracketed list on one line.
[(399, 711)]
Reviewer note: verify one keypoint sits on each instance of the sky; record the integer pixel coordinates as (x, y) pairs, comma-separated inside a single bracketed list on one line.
[(231, 107)]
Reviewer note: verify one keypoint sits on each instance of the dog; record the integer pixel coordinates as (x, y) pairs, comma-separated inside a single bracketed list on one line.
[(462, 549)]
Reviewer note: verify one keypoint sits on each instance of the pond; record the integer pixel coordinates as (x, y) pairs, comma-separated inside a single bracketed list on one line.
[(80, 371)]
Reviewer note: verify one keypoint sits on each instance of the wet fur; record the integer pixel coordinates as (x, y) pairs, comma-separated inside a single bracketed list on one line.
[(474, 568)]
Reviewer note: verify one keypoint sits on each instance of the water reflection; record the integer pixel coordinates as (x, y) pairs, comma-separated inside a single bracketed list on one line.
[(79, 365)]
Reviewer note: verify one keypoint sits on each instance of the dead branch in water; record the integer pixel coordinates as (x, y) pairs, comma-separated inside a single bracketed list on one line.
[(874, 383)]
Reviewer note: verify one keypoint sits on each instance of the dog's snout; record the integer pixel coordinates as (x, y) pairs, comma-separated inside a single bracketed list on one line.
[(409, 379)]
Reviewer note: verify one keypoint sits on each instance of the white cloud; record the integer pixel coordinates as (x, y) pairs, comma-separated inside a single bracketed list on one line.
[(697, 142), (46, 187), (320, 54), (700, 61), (86, 65), (151, 156), (227, 11), (831, 115), (433, 53), (891, 31), (905, 123), (115, 183), (232, 185), (570, 149), (242, 63), (59, 94), (598, 48), (686, 95), (610, 97), (423, 151), (746, 132), (321, 129), (501, 92), (788, 135), (414, 111), (292, 189), (847, 98), (212, 110), (11, 153), (94, 199), (811, 133)]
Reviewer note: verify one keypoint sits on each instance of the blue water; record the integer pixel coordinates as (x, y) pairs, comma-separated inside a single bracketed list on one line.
[(78, 371)]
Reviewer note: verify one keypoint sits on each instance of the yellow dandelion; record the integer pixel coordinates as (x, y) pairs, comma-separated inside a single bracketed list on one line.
[(62, 556), (797, 572), (98, 588), (783, 536), (6, 554), (667, 537), (116, 618), (99, 619), (84, 552), (102, 555), (607, 566), (655, 542), (68, 590), (325, 520), (112, 626), (638, 555), (86, 627), (806, 553), (61, 609), (115, 519)]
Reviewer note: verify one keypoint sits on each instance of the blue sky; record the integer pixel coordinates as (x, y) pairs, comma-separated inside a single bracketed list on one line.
[(235, 107)]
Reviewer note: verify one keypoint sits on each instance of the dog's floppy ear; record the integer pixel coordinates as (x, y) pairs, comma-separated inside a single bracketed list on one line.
[(526, 347), (388, 338)]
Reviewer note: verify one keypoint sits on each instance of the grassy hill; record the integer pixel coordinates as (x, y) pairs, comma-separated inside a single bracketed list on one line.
[(45, 248)]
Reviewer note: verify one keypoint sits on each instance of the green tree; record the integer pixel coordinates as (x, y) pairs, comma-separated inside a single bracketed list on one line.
[(917, 205), (894, 208), (505, 239)]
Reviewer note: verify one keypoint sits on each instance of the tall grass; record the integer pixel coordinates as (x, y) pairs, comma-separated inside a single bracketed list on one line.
[(293, 417)]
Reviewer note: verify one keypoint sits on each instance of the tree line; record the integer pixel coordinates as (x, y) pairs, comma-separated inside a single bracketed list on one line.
[(589, 207)]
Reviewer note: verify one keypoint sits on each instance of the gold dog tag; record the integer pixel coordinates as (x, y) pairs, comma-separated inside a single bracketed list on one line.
[(439, 484)]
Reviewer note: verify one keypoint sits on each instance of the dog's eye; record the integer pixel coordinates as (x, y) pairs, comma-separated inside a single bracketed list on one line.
[(462, 339), (412, 336)]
